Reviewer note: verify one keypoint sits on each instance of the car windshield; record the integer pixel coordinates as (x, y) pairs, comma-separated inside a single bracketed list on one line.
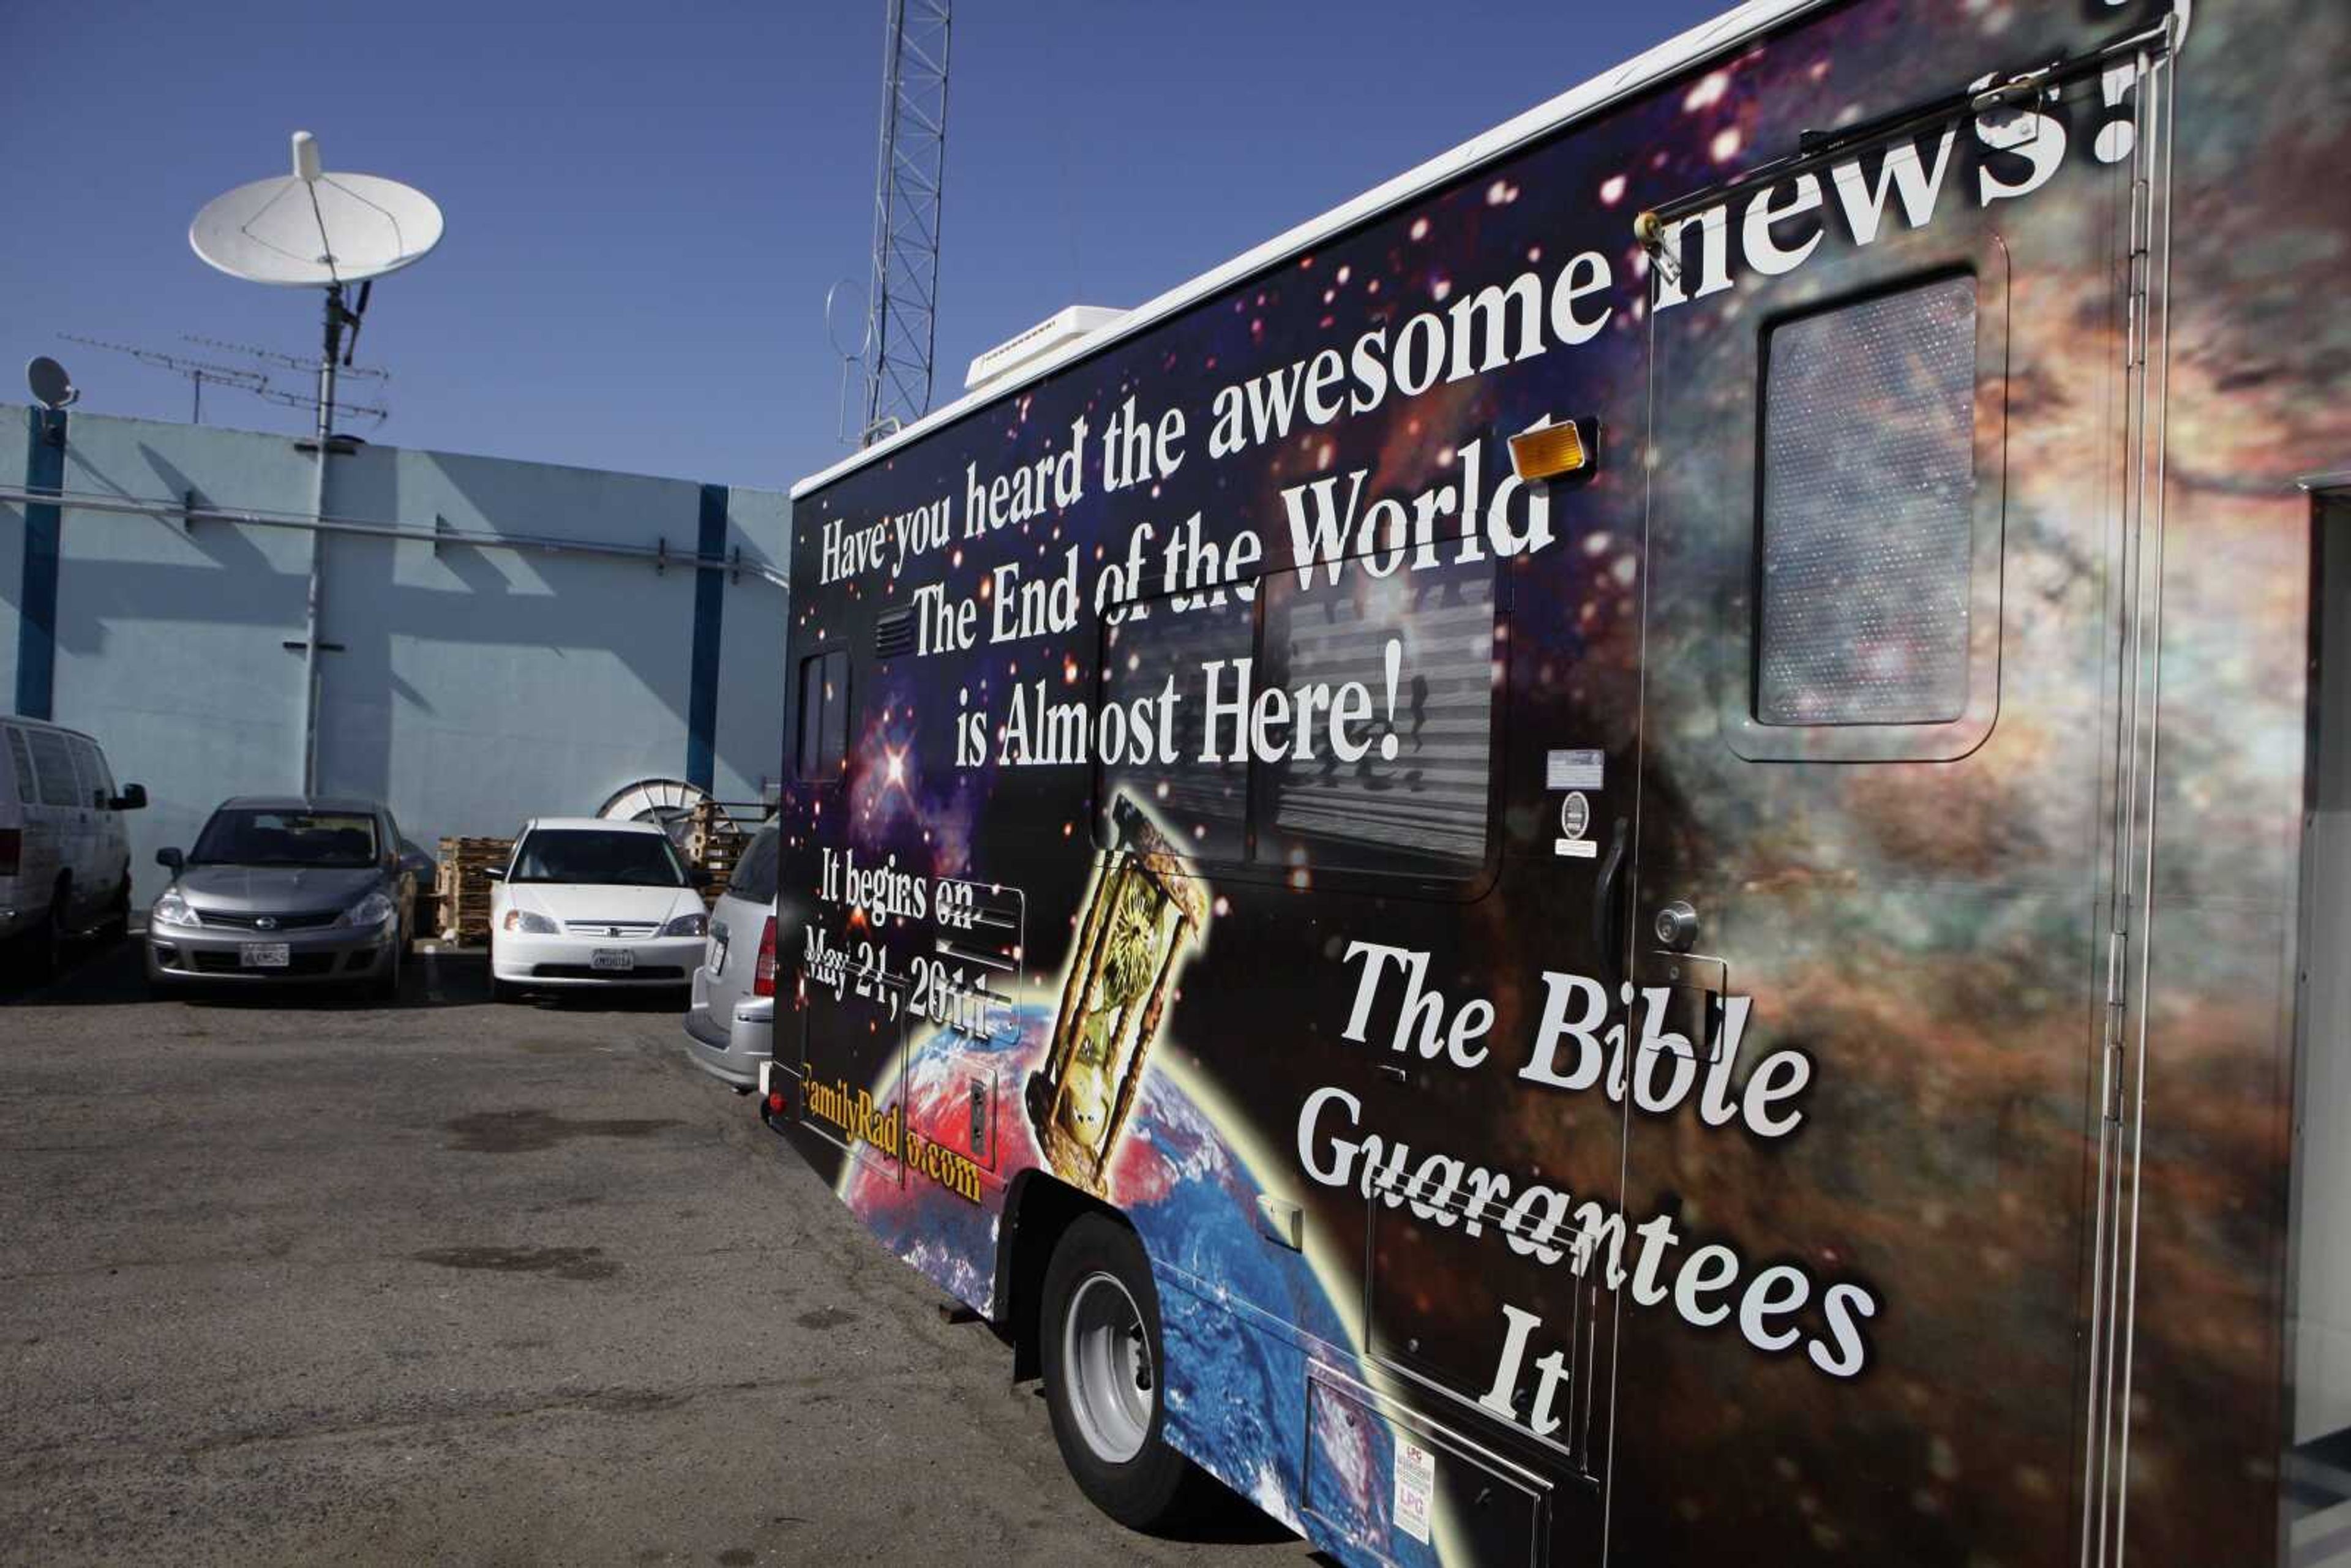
[(247, 836), (594, 856)]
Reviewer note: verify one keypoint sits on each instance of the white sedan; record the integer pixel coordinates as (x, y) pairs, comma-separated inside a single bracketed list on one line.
[(588, 902)]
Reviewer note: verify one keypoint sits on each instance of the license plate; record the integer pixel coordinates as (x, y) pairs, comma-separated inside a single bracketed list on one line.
[(717, 964), (262, 955), (611, 959)]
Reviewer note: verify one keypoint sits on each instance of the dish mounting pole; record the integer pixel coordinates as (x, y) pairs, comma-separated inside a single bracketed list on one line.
[(330, 354)]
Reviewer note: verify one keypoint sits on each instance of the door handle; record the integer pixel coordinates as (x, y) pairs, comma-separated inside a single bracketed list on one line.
[(1607, 909)]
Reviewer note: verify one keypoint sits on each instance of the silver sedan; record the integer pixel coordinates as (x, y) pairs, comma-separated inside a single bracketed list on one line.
[(283, 888)]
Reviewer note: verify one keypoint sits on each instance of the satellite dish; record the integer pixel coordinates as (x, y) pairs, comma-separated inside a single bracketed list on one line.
[(52, 388), (311, 229)]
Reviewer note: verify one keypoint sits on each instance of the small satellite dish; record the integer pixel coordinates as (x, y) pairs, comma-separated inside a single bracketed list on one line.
[(52, 388), (312, 229)]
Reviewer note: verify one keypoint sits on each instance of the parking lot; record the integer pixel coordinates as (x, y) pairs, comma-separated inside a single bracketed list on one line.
[(313, 1280)]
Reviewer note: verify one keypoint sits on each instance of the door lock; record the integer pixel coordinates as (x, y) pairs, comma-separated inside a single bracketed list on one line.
[(1676, 927)]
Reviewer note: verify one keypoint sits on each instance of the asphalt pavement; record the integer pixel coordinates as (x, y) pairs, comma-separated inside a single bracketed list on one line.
[(302, 1280)]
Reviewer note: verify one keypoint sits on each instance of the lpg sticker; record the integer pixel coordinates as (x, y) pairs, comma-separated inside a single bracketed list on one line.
[(1574, 821), (1416, 1483), (1574, 769)]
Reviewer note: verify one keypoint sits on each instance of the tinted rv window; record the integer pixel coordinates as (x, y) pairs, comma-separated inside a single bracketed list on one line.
[(824, 716), (1412, 798), (1422, 810), (1204, 804), (1868, 506)]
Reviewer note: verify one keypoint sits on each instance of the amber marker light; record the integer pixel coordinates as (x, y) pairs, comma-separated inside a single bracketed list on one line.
[(1554, 452)]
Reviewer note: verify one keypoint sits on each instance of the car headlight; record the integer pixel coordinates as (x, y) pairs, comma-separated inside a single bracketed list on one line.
[(172, 910), (530, 923), (694, 925), (373, 909)]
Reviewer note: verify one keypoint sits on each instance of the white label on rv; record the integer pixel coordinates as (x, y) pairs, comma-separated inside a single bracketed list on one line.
[(1575, 814), (1576, 849), (1574, 769), (1416, 1483)]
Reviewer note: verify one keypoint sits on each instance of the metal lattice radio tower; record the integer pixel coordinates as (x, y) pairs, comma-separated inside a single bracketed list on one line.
[(902, 303)]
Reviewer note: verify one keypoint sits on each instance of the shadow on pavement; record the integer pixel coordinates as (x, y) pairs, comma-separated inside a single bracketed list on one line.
[(96, 973), (88, 973)]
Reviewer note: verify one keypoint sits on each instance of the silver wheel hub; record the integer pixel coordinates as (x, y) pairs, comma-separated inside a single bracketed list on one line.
[(1106, 1359)]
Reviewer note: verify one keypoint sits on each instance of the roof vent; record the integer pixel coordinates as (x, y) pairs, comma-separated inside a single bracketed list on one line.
[(1052, 334)]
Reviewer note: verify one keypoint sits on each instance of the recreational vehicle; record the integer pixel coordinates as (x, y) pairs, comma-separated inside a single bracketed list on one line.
[(1635, 853)]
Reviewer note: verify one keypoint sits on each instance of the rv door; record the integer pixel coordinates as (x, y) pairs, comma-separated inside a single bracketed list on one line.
[(1891, 413)]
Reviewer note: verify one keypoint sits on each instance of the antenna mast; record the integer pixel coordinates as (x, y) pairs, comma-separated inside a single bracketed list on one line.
[(902, 304)]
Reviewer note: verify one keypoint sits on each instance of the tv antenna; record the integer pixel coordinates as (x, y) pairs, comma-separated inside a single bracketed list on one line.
[(197, 372), (368, 411), (312, 229), (345, 372), (290, 361)]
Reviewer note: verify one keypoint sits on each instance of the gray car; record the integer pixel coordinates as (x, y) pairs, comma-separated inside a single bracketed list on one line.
[(730, 1027), (281, 888)]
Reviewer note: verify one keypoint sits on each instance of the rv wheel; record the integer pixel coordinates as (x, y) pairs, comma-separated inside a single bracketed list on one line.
[(1102, 1356)]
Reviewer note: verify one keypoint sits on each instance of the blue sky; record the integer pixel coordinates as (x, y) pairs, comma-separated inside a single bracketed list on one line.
[(646, 205)]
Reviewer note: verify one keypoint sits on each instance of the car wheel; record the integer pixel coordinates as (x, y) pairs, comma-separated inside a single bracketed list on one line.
[(1103, 1359)]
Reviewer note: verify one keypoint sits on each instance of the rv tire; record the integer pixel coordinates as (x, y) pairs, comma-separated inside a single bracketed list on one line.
[(1102, 1356)]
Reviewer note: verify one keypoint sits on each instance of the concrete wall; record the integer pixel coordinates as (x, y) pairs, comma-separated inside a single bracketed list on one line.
[(472, 688)]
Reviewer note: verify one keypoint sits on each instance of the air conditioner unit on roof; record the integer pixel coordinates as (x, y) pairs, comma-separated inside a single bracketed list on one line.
[(1054, 332)]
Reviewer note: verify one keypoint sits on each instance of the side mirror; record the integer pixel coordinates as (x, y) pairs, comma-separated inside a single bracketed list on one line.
[(494, 873), (132, 799), (417, 865), (172, 860)]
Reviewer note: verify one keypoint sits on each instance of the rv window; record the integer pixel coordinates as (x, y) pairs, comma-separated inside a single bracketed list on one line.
[(1204, 804), (54, 764), (824, 716), (1868, 507), (1423, 810)]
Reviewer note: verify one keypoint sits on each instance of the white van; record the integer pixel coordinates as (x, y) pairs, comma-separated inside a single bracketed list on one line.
[(65, 858)]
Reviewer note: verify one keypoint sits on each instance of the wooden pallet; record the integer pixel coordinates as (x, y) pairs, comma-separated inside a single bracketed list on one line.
[(713, 842), (460, 893)]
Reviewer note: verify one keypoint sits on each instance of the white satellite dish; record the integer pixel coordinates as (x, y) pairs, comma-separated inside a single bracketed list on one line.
[(312, 229), (51, 387)]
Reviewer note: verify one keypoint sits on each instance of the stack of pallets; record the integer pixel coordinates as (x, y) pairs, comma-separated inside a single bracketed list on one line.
[(461, 893), (713, 841)]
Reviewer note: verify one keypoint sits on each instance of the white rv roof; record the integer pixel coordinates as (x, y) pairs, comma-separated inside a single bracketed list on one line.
[(1667, 58)]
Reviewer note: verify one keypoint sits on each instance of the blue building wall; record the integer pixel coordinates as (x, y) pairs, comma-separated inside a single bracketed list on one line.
[(472, 688)]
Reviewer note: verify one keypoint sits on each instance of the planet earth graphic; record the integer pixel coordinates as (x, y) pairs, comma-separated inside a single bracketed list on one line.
[(1232, 1387)]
